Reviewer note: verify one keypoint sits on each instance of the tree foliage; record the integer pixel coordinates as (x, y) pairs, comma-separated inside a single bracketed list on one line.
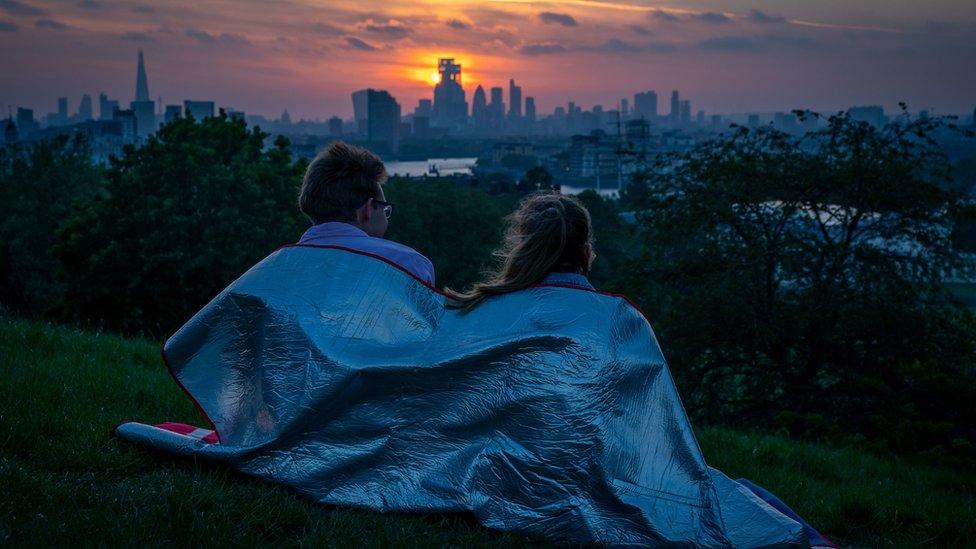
[(796, 280), (180, 218)]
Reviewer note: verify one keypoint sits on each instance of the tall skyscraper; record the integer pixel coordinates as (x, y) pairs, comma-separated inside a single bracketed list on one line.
[(359, 110), (425, 109), (85, 108), (382, 121), (143, 107), (685, 119), (645, 104), (496, 108), (675, 114), (624, 107), (142, 83), (450, 106), (479, 108), (873, 115), (530, 109), (25, 121), (61, 118), (172, 112), (106, 107), (514, 100)]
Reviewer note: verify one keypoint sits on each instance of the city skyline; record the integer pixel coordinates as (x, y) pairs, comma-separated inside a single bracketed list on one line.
[(730, 56)]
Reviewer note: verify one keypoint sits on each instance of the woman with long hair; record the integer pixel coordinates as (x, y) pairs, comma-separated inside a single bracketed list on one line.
[(548, 240)]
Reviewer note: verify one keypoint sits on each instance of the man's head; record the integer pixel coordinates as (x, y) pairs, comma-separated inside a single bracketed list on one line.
[(344, 183)]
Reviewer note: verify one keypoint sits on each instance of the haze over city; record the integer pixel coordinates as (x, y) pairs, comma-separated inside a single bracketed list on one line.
[(729, 56)]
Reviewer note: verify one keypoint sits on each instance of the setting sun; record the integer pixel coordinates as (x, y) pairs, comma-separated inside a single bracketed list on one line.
[(434, 77)]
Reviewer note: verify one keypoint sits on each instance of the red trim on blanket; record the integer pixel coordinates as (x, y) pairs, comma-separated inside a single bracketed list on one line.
[(169, 368)]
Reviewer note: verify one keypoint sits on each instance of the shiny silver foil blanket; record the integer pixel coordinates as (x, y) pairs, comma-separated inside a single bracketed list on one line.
[(549, 411)]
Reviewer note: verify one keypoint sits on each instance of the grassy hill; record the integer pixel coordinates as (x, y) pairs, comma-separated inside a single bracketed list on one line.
[(66, 481)]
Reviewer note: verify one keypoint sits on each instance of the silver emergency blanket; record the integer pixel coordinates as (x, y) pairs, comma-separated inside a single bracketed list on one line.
[(550, 411)]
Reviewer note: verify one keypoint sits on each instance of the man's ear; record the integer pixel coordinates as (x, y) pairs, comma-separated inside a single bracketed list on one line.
[(363, 214)]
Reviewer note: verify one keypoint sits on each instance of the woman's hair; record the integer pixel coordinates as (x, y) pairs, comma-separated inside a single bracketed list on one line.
[(548, 232)]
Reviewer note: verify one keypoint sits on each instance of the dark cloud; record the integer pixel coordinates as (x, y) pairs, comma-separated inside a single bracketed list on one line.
[(730, 43), (14, 7), (712, 17), (563, 19), (358, 44), (7, 26), (458, 24), (325, 28), (137, 37), (393, 29), (50, 24), (757, 16), (91, 4), (662, 15), (615, 45), (639, 30), (541, 49), (226, 39), (619, 46), (143, 9)]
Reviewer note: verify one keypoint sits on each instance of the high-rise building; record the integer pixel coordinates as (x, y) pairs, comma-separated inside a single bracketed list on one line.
[(450, 106), (753, 121), (514, 100), (106, 107), (479, 108), (127, 119), (61, 117), (530, 109), (172, 113), (675, 114), (425, 109), (700, 119), (142, 83), (785, 121), (10, 134), (645, 104), (359, 110), (685, 106), (335, 127), (624, 107), (382, 122), (85, 108), (198, 109), (496, 108)]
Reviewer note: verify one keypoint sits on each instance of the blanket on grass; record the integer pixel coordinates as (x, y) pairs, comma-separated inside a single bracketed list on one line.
[(549, 411)]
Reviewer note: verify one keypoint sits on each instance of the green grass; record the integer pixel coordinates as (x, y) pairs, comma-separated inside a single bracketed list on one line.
[(66, 481)]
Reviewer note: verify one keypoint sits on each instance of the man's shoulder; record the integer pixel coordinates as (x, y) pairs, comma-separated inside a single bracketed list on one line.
[(406, 257)]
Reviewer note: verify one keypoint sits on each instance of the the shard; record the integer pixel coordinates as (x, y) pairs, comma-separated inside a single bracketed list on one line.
[(142, 84)]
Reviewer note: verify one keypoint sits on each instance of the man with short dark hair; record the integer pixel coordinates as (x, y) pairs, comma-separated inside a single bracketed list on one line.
[(342, 195)]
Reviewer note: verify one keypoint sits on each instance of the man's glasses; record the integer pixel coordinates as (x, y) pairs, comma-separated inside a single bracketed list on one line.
[(387, 207)]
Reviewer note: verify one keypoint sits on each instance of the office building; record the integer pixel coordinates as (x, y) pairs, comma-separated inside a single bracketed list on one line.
[(26, 124), (645, 105), (85, 108), (675, 114), (873, 115), (172, 112), (496, 108), (359, 98), (335, 127), (479, 109), (530, 109), (198, 109), (106, 107), (382, 120), (450, 106), (514, 100)]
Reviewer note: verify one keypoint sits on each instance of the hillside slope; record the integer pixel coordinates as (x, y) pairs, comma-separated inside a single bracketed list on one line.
[(66, 480)]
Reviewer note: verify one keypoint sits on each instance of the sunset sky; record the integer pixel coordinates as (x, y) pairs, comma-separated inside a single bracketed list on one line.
[(728, 56)]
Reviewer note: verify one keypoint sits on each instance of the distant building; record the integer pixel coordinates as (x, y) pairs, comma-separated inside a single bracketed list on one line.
[(382, 122), (421, 127), (235, 114), (753, 121), (198, 109), (514, 100), (785, 121), (106, 107), (85, 108), (501, 150), (359, 98), (142, 83), (450, 106), (530, 109), (285, 118), (700, 119), (479, 109), (143, 107), (716, 121), (10, 135), (624, 107), (128, 124), (685, 113), (425, 108), (873, 115), (335, 127), (26, 124), (496, 108), (645, 104), (675, 114), (172, 113)]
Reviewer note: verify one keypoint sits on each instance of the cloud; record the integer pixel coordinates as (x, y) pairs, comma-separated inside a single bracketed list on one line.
[(662, 15), (7, 26), (14, 7), (758, 43), (712, 17), (91, 4), (143, 9), (50, 24), (136, 37), (205, 37), (615, 45), (393, 28), (325, 28), (639, 30), (541, 49), (757, 16), (457, 24), (563, 19), (358, 44)]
